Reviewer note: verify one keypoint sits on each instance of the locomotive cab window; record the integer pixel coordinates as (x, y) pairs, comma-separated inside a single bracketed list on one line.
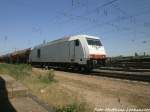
[(95, 42), (38, 53), (77, 42)]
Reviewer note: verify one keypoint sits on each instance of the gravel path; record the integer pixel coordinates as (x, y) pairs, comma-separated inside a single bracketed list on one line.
[(106, 92)]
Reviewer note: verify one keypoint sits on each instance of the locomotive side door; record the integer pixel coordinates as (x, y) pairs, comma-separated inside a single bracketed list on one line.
[(72, 51), (75, 52)]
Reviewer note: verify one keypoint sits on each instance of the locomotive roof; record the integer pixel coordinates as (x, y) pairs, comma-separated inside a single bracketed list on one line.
[(82, 36), (67, 38)]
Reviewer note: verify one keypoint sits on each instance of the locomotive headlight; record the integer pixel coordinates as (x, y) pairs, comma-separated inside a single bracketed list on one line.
[(95, 56)]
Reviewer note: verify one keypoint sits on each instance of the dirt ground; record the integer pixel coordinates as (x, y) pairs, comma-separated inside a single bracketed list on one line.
[(103, 92)]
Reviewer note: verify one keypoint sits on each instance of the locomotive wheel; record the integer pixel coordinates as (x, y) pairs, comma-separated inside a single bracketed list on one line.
[(85, 69)]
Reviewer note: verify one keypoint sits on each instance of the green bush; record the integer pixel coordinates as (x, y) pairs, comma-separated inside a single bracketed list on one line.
[(48, 77), (51, 75), (75, 107)]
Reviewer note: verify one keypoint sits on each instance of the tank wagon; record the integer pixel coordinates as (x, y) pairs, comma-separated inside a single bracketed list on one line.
[(80, 51), (21, 56), (5, 58)]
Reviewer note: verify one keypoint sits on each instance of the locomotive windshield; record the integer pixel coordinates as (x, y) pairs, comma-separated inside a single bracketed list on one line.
[(95, 42)]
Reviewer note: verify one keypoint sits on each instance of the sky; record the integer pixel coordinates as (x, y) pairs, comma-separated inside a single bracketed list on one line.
[(122, 25)]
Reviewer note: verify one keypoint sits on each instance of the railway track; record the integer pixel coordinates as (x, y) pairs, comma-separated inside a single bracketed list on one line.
[(125, 69), (117, 73), (132, 74)]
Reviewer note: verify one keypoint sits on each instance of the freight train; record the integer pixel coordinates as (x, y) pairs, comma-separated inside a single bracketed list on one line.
[(79, 51)]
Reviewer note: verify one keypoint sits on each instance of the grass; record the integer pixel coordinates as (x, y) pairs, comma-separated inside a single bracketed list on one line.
[(46, 87), (74, 107), (19, 72)]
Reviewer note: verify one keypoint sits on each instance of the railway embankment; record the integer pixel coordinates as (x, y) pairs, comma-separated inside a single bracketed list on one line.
[(14, 97), (64, 90)]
